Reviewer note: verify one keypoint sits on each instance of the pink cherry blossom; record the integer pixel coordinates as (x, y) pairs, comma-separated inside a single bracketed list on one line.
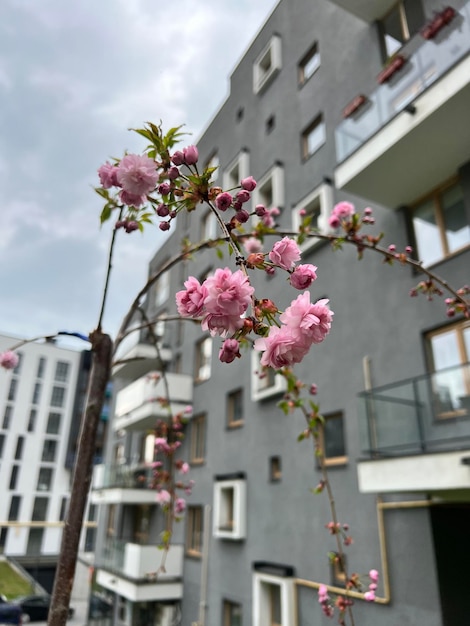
[(161, 444), (243, 195), (369, 596), (252, 245), (285, 253), (190, 301), (163, 497), (374, 575), (229, 351), (303, 276), (180, 506), (282, 347), (132, 199), (323, 593), (107, 173), (223, 201), (191, 155), (184, 469), (344, 209), (248, 183), (334, 221), (311, 320), (322, 311), (228, 297), (9, 360), (137, 174)]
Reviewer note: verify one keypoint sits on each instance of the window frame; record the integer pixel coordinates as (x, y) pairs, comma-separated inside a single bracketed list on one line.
[(323, 197), (201, 360), (194, 530), (229, 508), (57, 397), (161, 289), (405, 20), (198, 440), (261, 392), (236, 170), (275, 178), (227, 611), (332, 461), (267, 64), (43, 485), (262, 599), (235, 404), (311, 53), (317, 122)]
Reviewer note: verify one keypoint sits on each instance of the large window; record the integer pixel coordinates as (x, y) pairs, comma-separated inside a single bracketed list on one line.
[(441, 224), (203, 360), (7, 417), (12, 389), (40, 507), (62, 371), (403, 20), (194, 530), (198, 439), (32, 420), (19, 448), (53, 423), (58, 396), (449, 354), (209, 226)]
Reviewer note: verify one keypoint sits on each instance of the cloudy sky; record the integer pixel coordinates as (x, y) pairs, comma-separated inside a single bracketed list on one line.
[(74, 76)]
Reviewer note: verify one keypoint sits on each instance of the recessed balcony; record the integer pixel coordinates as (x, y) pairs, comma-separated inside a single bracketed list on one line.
[(411, 132), (416, 434), (139, 359), (130, 570), (368, 10), (122, 484), (142, 403)]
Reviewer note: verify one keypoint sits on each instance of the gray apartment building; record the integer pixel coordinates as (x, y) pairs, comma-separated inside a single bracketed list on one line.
[(366, 101)]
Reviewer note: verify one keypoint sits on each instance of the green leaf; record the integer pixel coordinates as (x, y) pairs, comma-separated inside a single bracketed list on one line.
[(104, 193), (106, 212), (301, 437), (219, 253)]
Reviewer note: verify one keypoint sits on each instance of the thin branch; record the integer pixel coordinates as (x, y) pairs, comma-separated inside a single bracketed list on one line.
[(108, 273)]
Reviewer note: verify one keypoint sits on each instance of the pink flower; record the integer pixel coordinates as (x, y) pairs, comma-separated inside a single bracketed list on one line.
[(323, 593), (285, 253), (137, 174), (369, 596), (9, 360), (282, 347), (163, 497), (164, 226), (178, 158), (303, 276), (374, 575), (180, 506), (260, 210), (311, 320), (223, 201), (107, 174), (252, 245), (164, 188), (334, 221), (229, 351), (190, 301), (132, 199), (325, 316), (344, 209), (161, 444), (228, 297), (191, 155), (184, 469), (243, 195), (248, 183)]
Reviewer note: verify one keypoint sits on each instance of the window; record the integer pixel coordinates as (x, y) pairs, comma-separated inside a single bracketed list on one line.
[(44, 479), (265, 383), (235, 408), (2, 443), (14, 508), (57, 397), (15, 469), (12, 389), (40, 509), (230, 507), (63, 509), (231, 613), (194, 530), (309, 64), (270, 124), (273, 599), (270, 189), (198, 439), (313, 137), (275, 469), (49, 451), (61, 371), (440, 223), (332, 439), (268, 64), (162, 289), (17, 369), (202, 369), (41, 367), (35, 541), (448, 351), (19, 448), (53, 423), (316, 207), (209, 226), (36, 393), (31, 420), (237, 170), (7, 417), (399, 24)]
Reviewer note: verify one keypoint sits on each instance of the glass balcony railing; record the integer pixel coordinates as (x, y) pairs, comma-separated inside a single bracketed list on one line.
[(425, 414), (141, 561), (426, 62), (124, 477)]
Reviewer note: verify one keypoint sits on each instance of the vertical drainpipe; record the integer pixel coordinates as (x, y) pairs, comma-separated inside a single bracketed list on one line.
[(204, 567)]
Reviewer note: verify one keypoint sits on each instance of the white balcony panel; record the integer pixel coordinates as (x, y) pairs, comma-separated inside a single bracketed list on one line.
[(137, 407), (117, 495), (139, 359), (140, 560), (368, 10), (418, 150), (143, 592), (427, 473)]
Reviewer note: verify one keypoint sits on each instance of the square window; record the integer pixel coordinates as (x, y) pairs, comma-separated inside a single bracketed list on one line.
[(275, 469), (440, 224), (232, 613), (62, 371), (237, 170), (403, 20), (203, 360), (316, 207), (44, 479), (198, 439), (230, 508), (58, 396), (273, 600), (235, 408), (270, 189), (265, 382), (332, 439), (313, 137), (267, 65), (194, 531), (309, 64)]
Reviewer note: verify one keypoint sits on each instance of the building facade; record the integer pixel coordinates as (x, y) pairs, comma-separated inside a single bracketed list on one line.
[(41, 402), (334, 100)]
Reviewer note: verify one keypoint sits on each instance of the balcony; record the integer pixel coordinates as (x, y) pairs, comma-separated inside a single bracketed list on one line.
[(129, 569), (411, 130), (416, 434), (122, 484), (367, 10), (138, 406), (139, 359)]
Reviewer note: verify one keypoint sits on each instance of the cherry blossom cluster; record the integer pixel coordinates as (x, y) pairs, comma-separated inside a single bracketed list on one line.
[(9, 360), (340, 529)]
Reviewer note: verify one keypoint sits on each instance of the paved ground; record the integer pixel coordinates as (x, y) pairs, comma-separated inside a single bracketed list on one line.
[(79, 618)]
